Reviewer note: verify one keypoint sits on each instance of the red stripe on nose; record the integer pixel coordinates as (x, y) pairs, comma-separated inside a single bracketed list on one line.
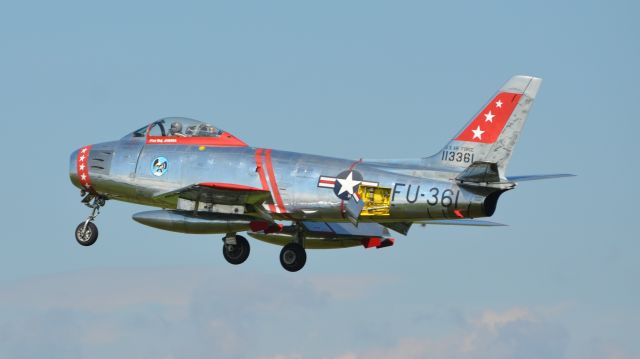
[(82, 168)]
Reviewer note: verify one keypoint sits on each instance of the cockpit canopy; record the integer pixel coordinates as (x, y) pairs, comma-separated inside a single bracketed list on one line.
[(186, 131)]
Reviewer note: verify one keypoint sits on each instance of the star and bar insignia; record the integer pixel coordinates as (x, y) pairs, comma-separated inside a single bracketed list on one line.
[(346, 184)]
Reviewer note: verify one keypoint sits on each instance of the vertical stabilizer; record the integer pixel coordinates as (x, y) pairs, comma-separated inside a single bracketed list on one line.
[(491, 135)]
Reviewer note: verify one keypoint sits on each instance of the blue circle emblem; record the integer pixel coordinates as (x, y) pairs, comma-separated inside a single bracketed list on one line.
[(159, 166)]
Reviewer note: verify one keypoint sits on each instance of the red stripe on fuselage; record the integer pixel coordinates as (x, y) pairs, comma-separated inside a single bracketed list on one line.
[(263, 179), (274, 183)]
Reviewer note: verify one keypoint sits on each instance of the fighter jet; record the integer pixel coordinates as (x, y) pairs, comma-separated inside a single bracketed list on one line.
[(204, 180)]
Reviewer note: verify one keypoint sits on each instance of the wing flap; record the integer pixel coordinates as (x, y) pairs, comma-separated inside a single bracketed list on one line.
[(369, 234), (365, 229)]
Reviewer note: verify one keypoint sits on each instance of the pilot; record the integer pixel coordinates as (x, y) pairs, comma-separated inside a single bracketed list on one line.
[(176, 129)]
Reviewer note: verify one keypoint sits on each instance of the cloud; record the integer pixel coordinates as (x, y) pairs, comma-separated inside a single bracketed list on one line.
[(494, 320), (606, 349), (104, 289), (176, 313), (512, 333), (284, 356), (171, 313)]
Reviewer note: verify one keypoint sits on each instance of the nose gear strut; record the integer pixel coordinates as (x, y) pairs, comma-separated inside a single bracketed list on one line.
[(87, 231)]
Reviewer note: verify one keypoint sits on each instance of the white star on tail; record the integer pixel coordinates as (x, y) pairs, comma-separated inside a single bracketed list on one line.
[(84, 150), (347, 184), (499, 104), (83, 177), (477, 133), (488, 117)]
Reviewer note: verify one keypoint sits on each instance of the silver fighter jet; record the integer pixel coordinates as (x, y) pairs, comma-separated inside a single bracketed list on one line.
[(205, 180)]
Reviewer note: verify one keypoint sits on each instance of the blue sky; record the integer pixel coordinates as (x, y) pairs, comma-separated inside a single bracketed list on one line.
[(357, 79)]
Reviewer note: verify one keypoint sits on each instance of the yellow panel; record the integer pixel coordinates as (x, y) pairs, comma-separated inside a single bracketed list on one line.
[(377, 200)]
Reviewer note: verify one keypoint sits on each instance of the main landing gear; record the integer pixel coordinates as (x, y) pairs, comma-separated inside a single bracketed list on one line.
[(235, 249), (87, 231), (293, 257)]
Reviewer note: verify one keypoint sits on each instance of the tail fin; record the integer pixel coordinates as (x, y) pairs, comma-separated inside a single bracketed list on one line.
[(491, 135)]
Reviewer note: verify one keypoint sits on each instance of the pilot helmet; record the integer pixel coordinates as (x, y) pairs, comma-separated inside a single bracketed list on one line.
[(176, 127)]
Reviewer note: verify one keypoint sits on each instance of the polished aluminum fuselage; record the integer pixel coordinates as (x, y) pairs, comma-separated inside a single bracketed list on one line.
[(418, 193)]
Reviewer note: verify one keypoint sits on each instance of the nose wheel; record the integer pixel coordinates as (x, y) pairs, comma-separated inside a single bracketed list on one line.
[(293, 257), (87, 231)]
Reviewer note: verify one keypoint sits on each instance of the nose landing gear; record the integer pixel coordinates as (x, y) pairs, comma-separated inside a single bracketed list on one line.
[(87, 231)]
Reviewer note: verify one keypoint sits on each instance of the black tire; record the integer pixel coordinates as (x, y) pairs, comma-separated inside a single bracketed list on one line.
[(90, 235), (293, 257), (236, 253)]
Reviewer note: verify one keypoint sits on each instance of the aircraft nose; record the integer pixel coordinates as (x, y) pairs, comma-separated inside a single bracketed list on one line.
[(78, 168)]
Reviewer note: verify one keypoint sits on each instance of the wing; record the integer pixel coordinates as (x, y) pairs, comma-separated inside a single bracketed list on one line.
[(331, 235), (346, 229), (218, 193)]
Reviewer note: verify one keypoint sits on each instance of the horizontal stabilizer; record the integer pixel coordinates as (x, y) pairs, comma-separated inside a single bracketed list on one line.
[(538, 177), (463, 222)]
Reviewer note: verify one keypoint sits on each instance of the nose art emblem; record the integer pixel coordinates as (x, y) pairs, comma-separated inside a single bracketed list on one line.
[(159, 166)]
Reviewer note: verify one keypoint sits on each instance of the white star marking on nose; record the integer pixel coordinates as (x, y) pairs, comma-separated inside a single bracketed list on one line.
[(499, 104), (477, 133), (488, 117), (347, 184)]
